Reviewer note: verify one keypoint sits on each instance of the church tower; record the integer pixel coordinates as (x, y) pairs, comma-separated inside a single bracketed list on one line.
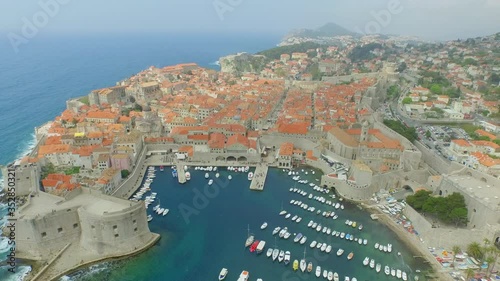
[(364, 131)]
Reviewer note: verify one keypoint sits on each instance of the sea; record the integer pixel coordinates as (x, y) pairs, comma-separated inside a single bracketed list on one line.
[(207, 226), (199, 237)]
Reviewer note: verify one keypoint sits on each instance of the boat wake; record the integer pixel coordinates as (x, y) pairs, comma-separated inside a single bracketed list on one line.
[(215, 63)]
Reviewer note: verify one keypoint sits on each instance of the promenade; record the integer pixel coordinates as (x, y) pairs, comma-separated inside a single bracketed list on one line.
[(259, 177)]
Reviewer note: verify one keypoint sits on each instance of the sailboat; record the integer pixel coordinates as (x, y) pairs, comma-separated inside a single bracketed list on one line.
[(250, 238), (303, 264)]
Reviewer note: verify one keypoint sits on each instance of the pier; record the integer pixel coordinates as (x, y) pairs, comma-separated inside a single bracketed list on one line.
[(259, 177), (181, 174)]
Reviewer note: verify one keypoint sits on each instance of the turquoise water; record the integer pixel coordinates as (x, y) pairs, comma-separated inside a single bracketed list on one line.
[(202, 234)]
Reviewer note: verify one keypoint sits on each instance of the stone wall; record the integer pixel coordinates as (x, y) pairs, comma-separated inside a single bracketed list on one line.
[(435, 161)]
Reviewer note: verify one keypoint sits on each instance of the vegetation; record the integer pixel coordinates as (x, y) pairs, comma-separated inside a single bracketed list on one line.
[(360, 53), (275, 53), (408, 132), (393, 92), (48, 169), (488, 252), (449, 209), (125, 173), (72, 171), (407, 100), (313, 69), (84, 100)]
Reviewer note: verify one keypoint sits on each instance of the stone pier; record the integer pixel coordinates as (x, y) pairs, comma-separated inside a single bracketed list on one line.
[(181, 174), (259, 177)]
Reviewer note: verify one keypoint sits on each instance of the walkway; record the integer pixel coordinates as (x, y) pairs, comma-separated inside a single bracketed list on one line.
[(181, 174), (259, 177)]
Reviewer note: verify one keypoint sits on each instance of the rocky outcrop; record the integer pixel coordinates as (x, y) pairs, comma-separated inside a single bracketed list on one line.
[(242, 63)]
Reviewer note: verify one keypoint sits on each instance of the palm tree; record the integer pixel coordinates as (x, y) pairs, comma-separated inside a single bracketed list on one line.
[(491, 262), (475, 250), (456, 249), (469, 273)]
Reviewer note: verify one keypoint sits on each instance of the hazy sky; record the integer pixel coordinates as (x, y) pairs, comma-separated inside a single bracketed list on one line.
[(431, 19)]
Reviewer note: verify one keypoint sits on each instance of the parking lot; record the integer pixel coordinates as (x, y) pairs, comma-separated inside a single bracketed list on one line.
[(439, 137)]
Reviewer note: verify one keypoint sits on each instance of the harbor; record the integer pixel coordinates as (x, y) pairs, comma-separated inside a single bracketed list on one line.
[(259, 178), (197, 227)]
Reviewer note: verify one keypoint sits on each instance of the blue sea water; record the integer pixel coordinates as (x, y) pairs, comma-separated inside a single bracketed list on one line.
[(207, 226), (50, 69)]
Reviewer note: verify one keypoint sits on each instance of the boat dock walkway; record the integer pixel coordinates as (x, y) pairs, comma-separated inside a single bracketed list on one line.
[(181, 174), (259, 177)]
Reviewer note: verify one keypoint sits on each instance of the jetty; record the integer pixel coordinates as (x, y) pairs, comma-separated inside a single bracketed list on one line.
[(181, 174), (259, 177)]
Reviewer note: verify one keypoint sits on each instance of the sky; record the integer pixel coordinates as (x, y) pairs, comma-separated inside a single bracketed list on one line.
[(427, 19)]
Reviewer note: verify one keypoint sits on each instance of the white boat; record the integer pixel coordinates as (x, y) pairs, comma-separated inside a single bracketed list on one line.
[(325, 273), (282, 213), (366, 261), (287, 235), (229, 177), (404, 276), (276, 230), (328, 249), (287, 257), (260, 246), (294, 217), (165, 212), (276, 253), (318, 271), (330, 275), (150, 218), (323, 247), (393, 272), (188, 176), (269, 252), (281, 256), (207, 175), (288, 216), (250, 238), (365, 241), (303, 240), (223, 273), (217, 175), (210, 182), (250, 176), (303, 264), (263, 226), (335, 276), (398, 273), (244, 276), (319, 245), (389, 248), (340, 252), (313, 244), (298, 220), (372, 263), (387, 270), (378, 267), (297, 237), (376, 246)]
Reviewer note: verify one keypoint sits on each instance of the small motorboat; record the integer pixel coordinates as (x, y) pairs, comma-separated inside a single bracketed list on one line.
[(318, 271), (269, 252), (223, 273), (263, 226), (350, 256)]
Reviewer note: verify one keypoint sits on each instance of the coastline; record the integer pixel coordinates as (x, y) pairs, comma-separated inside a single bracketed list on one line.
[(411, 241)]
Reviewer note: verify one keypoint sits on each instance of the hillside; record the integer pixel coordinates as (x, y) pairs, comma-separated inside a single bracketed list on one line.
[(328, 30)]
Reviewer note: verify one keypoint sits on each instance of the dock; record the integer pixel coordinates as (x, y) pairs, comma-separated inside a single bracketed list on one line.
[(259, 177), (181, 174)]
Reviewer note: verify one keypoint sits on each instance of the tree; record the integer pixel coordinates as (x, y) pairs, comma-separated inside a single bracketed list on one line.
[(456, 249), (459, 216), (436, 89), (418, 199), (125, 173), (469, 273), (402, 67), (494, 79), (407, 100), (428, 134), (475, 250)]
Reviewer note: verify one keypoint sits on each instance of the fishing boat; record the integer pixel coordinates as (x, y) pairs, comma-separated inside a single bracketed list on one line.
[(263, 226), (340, 252), (303, 262), (223, 273), (250, 176), (335, 276), (244, 276), (350, 256), (309, 267), (269, 252), (295, 265), (250, 238), (378, 267), (254, 245), (161, 169), (281, 256), (366, 261), (318, 271), (260, 246), (287, 257)]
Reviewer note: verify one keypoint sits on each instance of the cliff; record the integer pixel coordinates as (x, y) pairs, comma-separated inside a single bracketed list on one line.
[(242, 63)]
